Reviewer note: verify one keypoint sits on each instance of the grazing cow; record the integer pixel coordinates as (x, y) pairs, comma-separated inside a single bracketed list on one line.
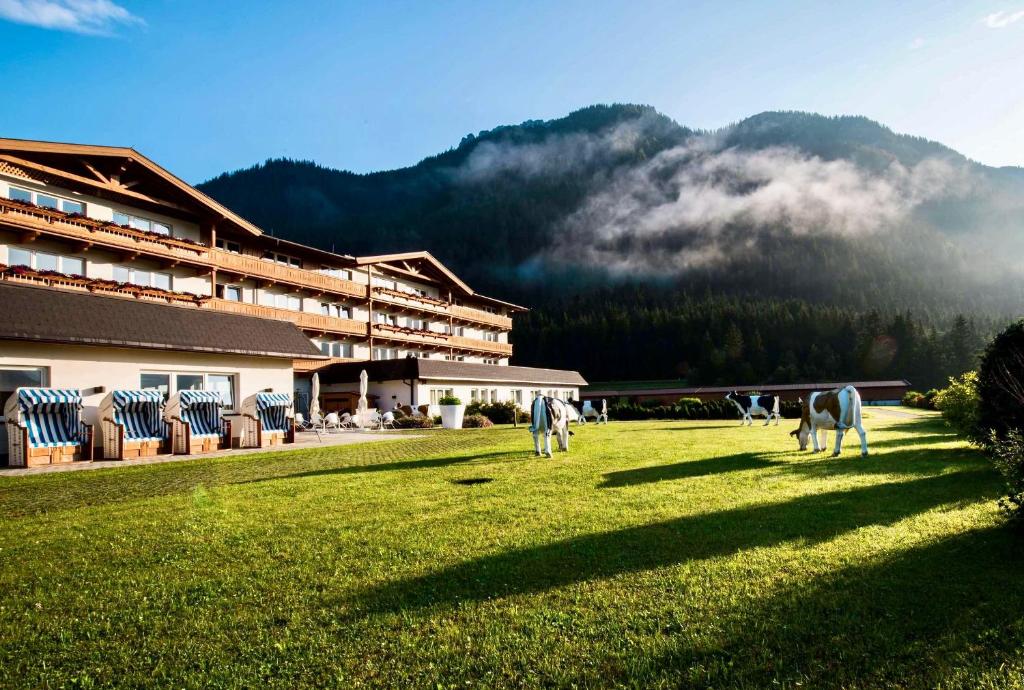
[(837, 409), (750, 405), (551, 415), (599, 414)]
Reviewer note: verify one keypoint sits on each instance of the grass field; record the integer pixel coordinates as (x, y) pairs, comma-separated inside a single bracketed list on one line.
[(655, 554)]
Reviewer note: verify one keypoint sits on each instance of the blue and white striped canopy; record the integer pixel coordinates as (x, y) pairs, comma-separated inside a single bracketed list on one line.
[(141, 413), (51, 415), (189, 397), (272, 409)]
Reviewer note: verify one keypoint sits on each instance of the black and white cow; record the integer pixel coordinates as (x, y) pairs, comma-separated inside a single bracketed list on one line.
[(750, 405)]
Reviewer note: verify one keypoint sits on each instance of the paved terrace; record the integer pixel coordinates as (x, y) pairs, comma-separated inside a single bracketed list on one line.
[(303, 440)]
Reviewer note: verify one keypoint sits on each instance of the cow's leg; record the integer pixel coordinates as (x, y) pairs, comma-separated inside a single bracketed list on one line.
[(547, 443), (565, 439), (536, 442), (767, 418), (863, 439), (778, 418), (814, 438), (839, 442)]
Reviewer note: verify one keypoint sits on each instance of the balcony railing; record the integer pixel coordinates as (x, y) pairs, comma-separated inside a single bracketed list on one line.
[(412, 302), (252, 266), (462, 343), (311, 322), (480, 316), (409, 335), (38, 220)]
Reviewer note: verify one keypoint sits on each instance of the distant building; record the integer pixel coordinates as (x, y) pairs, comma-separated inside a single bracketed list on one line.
[(872, 392)]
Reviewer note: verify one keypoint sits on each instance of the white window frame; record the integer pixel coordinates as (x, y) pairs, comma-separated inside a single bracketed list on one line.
[(226, 246), (132, 219), (34, 195), (172, 382), (33, 263), (132, 278)]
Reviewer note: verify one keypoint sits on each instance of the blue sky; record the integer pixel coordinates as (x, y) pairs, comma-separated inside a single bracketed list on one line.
[(204, 87)]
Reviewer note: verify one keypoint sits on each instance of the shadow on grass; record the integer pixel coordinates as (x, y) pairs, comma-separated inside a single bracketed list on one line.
[(690, 427), (401, 465), (812, 518), (687, 469), (917, 440), (913, 460), (904, 621)]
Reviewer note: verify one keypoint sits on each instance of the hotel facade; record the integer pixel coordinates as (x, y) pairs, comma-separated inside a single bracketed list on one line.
[(115, 273)]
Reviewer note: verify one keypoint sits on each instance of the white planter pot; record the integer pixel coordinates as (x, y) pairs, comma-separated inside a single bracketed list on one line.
[(451, 416)]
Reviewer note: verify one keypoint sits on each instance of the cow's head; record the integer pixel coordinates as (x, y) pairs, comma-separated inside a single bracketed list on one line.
[(803, 432), (730, 395)]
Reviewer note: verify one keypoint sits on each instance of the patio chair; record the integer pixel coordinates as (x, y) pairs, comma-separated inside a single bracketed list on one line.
[(332, 422), (347, 421), (301, 424), (44, 426), (387, 421), (133, 425), (267, 420)]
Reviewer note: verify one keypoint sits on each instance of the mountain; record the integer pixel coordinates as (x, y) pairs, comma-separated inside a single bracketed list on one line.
[(619, 209)]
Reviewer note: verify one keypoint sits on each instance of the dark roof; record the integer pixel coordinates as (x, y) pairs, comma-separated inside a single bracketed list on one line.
[(61, 316), (611, 389), (447, 370)]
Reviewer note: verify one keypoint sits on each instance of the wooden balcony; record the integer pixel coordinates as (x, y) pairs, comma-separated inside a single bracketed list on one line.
[(475, 345), (407, 302), (304, 320), (254, 267), (405, 335), (480, 316), (305, 366), (32, 222)]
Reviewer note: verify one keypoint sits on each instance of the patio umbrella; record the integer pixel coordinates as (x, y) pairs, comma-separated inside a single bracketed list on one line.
[(363, 385), (314, 397)]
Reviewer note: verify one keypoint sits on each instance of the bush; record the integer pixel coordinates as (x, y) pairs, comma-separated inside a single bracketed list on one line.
[(922, 401), (476, 421), (1001, 384), (1007, 453), (408, 422), (692, 408), (449, 400), (959, 405), (498, 412)]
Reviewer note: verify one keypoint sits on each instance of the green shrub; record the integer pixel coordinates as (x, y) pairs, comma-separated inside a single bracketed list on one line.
[(476, 421), (449, 400), (498, 412), (959, 405), (1007, 453), (408, 422), (693, 408), (1001, 384), (912, 399)]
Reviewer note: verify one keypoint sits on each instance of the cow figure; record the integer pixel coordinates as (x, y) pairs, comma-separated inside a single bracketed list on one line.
[(551, 415), (837, 409), (750, 405), (600, 414)]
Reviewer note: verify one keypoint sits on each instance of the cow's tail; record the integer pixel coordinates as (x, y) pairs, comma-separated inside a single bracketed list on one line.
[(854, 419)]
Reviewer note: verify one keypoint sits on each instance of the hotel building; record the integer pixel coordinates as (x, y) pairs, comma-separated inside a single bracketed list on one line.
[(140, 280)]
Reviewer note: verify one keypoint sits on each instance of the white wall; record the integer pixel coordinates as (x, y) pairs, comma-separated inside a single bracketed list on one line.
[(82, 367)]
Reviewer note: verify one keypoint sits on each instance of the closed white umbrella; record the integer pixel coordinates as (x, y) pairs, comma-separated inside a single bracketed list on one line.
[(364, 384), (314, 402)]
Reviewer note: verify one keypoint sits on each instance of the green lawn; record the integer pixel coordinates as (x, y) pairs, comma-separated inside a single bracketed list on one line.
[(655, 554)]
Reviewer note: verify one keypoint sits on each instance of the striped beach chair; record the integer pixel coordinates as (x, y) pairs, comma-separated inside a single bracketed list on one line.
[(44, 427), (196, 422), (133, 425), (268, 420)]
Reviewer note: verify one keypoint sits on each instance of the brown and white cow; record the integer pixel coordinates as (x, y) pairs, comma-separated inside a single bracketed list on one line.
[(837, 409)]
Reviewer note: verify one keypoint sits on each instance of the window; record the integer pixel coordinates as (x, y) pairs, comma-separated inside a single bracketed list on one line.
[(337, 349), (12, 378), (160, 382), (517, 396), (233, 293), (188, 382), (228, 246), (225, 385), (385, 353), (458, 330), (384, 283), (282, 259), (338, 311), (46, 200), (341, 273), (145, 224), (490, 361), (387, 319), (491, 336), (135, 276), (44, 261), (474, 395), (494, 395), (417, 324), (47, 262), (437, 393), (19, 194)]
